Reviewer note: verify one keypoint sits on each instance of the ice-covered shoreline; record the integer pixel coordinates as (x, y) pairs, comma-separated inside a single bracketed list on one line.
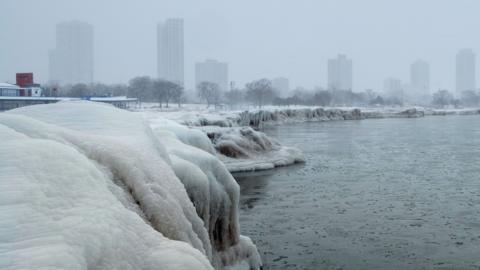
[(196, 115), (90, 186), (243, 149)]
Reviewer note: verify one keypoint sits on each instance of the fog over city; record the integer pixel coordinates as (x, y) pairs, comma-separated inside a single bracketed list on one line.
[(257, 39), (239, 135)]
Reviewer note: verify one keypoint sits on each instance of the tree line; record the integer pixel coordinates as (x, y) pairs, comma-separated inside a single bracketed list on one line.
[(258, 93)]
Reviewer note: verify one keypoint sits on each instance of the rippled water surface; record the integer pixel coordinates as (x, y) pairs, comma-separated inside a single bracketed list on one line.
[(374, 194)]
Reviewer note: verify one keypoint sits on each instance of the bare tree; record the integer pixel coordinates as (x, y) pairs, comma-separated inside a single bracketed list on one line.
[(322, 98), (234, 97), (78, 90), (260, 92), (165, 91), (470, 99), (178, 95), (140, 88), (442, 98), (210, 92)]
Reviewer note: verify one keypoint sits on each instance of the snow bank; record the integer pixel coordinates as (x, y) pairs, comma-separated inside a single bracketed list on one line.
[(89, 186), (240, 148)]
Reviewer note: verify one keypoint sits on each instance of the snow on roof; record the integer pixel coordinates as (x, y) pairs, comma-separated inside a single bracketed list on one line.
[(35, 98), (7, 85), (112, 99)]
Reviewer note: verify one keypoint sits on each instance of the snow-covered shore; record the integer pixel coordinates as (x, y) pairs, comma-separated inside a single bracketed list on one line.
[(243, 149), (198, 115), (89, 186)]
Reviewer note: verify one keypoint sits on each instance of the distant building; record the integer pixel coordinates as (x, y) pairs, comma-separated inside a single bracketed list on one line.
[(24, 79), (170, 50), (340, 73), (420, 78), (465, 71), (212, 71), (25, 87), (72, 59), (9, 90), (282, 85), (393, 88)]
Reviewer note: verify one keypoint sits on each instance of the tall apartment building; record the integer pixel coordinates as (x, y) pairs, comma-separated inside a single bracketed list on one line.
[(340, 73), (170, 50), (420, 78), (282, 85), (465, 71), (72, 60), (212, 71)]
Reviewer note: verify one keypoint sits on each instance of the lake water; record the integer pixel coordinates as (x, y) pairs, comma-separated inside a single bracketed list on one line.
[(373, 194)]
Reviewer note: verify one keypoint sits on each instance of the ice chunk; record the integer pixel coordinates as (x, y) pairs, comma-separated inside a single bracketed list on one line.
[(244, 149)]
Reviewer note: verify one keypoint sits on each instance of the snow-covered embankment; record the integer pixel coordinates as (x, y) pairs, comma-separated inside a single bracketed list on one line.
[(89, 186), (241, 149)]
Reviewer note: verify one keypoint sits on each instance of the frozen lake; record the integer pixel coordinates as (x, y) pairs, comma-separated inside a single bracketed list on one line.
[(374, 194)]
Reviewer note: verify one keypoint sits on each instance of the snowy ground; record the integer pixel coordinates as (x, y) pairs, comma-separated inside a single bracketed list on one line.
[(89, 186)]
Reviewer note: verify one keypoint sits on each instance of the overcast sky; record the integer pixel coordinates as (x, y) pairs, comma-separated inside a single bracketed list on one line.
[(258, 38)]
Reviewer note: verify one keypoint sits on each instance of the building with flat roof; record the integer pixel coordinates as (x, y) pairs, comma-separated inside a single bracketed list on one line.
[(340, 73), (420, 79), (72, 60), (465, 71), (282, 86), (212, 71), (170, 50)]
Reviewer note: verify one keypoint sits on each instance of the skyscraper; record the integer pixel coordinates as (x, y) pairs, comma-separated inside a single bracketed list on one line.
[(212, 71), (72, 59), (282, 85), (420, 78), (465, 71), (393, 88), (170, 50), (340, 73)]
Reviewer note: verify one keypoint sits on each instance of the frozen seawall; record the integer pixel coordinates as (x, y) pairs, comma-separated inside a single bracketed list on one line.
[(89, 186)]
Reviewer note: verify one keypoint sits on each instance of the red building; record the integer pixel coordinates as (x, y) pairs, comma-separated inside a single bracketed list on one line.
[(24, 79)]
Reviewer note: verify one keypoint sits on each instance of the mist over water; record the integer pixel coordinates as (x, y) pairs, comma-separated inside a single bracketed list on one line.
[(373, 194)]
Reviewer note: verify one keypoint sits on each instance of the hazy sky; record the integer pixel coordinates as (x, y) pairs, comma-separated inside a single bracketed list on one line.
[(258, 38)]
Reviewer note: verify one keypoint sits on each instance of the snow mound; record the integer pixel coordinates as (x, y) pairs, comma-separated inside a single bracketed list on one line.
[(89, 186), (244, 149)]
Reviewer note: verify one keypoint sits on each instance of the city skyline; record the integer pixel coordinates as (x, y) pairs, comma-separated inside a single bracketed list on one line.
[(125, 48), (170, 62)]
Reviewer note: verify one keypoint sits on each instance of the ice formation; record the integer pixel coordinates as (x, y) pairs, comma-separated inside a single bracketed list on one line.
[(244, 149), (280, 115), (89, 186)]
